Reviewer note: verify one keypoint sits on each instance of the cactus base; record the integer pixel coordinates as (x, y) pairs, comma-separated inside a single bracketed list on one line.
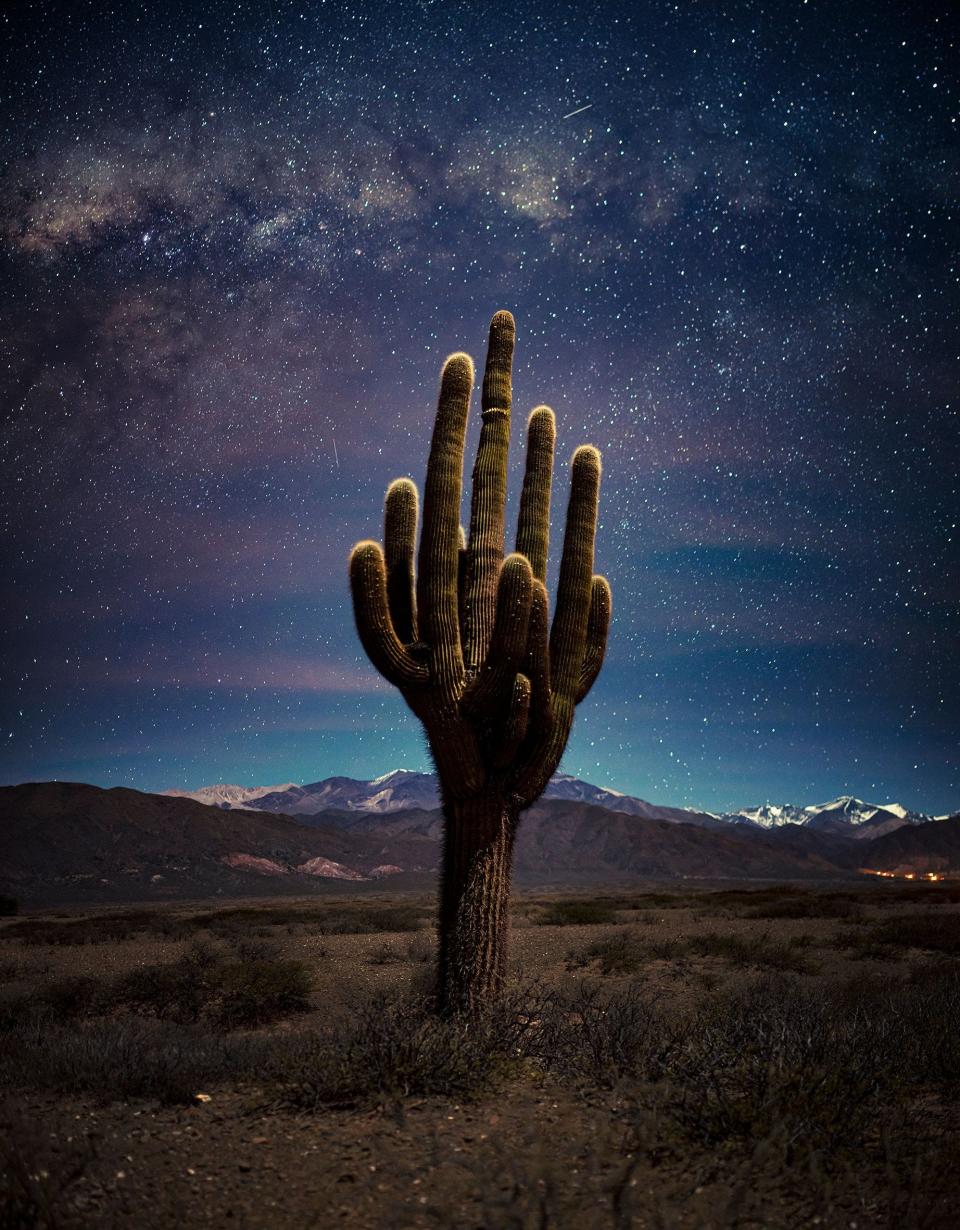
[(474, 892)]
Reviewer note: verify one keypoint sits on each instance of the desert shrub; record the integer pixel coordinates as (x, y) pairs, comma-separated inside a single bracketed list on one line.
[(386, 954), (97, 929), (243, 922), (256, 992), (622, 953), (129, 1058), (805, 1071), (9, 906), (422, 949), (934, 932), (201, 985), (746, 952), (391, 1049), (346, 919), (67, 998), (927, 1008), (774, 1062), (625, 952), (368, 920), (811, 905), (602, 1039), (734, 898), (62, 999), (256, 948), (578, 914), (864, 946), (175, 990), (929, 894)]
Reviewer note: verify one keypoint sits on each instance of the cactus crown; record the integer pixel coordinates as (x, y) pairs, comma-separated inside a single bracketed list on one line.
[(465, 634)]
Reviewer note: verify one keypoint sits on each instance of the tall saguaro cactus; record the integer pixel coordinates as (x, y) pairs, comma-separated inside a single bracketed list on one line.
[(466, 638)]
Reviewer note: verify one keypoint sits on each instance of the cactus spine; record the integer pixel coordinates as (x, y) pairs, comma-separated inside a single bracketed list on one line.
[(466, 637)]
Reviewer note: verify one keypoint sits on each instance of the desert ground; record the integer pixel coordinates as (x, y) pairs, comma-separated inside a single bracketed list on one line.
[(705, 1056)]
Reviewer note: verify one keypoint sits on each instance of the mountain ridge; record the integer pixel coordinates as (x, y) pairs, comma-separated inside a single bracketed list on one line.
[(401, 789), (72, 841)]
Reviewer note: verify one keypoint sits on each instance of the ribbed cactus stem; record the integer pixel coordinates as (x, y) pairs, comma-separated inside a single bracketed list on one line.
[(568, 637), (438, 563), (400, 545), (598, 626), (488, 500), (533, 523), (467, 639)]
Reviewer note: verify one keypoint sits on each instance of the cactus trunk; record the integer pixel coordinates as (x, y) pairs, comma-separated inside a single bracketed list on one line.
[(474, 891), (466, 637)]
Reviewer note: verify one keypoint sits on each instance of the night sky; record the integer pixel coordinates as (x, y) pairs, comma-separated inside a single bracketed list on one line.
[(238, 242)]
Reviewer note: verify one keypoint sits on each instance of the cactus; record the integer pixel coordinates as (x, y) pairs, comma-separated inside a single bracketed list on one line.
[(466, 639)]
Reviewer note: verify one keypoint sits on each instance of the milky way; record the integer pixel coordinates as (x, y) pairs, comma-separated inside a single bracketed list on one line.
[(238, 243)]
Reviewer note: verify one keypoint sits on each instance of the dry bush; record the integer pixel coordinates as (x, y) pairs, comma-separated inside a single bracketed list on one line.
[(391, 1049), (130, 1058), (935, 932), (625, 952), (575, 913), (112, 928), (810, 905), (202, 985), (621, 953)]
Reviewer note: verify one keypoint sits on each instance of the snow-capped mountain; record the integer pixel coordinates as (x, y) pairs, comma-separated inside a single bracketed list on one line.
[(228, 796), (844, 816), (572, 789), (404, 790), (398, 790)]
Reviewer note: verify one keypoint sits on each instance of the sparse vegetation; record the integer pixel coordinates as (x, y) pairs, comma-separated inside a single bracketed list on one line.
[(575, 913), (621, 953), (202, 984), (389, 1050), (625, 952), (130, 1057), (237, 924), (792, 1090), (933, 932), (810, 905)]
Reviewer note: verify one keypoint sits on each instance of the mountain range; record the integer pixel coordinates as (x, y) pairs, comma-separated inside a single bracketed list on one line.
[(403, 789), (75, 842)]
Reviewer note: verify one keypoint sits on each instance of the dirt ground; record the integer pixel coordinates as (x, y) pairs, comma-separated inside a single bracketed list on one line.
[(590, 1140)]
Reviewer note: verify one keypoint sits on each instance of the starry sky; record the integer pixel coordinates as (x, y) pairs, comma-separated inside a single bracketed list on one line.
[(238, 241)]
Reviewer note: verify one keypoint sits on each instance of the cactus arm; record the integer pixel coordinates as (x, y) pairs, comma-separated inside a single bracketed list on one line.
[(489, 494), (438, 561), (546, 739), (536, 753), (368, 582), (568, 637), (508, 642), (533, 523), (598, 625), (518, 719), (400, 541), (536, 663)]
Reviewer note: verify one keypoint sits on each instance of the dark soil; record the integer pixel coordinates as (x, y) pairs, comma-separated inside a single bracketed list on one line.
[(774, 1057)]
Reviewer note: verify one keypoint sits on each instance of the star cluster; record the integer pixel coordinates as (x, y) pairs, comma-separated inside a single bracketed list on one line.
[(238, 241)]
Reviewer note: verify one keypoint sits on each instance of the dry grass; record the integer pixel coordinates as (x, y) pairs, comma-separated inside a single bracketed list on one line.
[(663, 1059)]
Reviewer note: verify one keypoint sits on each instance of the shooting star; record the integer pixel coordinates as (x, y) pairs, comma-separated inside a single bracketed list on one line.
[(336, 455), (577, 112)]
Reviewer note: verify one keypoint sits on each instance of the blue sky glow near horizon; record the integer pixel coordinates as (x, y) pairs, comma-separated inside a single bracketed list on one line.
[(236, 243)]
